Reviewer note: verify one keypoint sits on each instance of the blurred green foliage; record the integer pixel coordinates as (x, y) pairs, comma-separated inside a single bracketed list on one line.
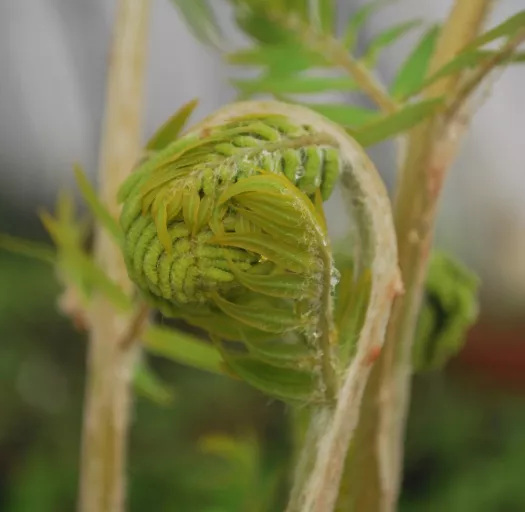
[(41, 392), (220, 446)]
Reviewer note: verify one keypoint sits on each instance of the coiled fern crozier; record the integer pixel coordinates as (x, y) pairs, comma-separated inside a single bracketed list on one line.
[(224, 228)]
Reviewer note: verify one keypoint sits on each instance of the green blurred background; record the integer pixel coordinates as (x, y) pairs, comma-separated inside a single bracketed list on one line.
[(465, 448), (465, 443)]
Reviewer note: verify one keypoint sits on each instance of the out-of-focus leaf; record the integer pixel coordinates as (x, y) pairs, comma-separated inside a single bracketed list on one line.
[(242, 473), (386, 38), (450, 307), (280, 60), (182, 348), (200, 18), (90, 272), (284, 383), (358, 20), (171, 129), (28, 248), (326, 9), (96, 206), (508, 28), (75, 263), (149, 385), (352, 116), (412, 73), (294, 84), (239, 452), (465, 61), (268, 319), (399, 122), (253, 17)]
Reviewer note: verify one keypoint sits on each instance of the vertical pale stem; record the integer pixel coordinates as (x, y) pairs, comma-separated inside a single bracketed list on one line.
[(110, 365), (374, 466)]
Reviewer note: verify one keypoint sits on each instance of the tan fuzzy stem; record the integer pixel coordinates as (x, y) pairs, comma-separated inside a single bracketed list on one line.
[(110, 365), (373, 471), (322, 459)]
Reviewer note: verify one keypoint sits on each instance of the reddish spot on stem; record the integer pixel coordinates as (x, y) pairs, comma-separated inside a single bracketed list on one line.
[(205, 132), (435, 181), (373, 355)]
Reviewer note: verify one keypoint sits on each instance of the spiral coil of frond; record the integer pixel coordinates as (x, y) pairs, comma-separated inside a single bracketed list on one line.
[(224, 228)]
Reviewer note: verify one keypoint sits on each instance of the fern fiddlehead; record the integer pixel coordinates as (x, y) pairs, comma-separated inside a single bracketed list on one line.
[(185, 264), (221, 229), (224, 228)]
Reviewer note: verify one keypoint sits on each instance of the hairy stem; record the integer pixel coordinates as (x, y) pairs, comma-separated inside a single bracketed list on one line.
[(332, 425), (110, 363), (377, 455), (335, 52), (473, 81)]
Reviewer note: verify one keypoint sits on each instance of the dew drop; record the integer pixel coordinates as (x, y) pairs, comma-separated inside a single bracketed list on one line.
[(299, 173), (335, 277)]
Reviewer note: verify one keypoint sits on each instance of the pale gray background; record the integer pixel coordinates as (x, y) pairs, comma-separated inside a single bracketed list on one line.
[(53, 57)]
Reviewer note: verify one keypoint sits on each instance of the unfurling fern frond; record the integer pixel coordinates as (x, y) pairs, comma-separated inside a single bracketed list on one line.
[(449, 308), (299, 54), (224, 228)]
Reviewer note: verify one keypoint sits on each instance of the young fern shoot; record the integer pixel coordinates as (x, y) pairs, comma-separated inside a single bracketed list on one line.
[(224, 228)]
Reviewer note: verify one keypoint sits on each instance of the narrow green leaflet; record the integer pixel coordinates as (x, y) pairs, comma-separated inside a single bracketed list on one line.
[(351, 116), (326, 10), (252, 17), (281, 285), (265, 206), (241, 454), (284, 383), (228, 328), (149, 385), (290, 233), (77, 264), (412, 73), (279, 60), (172, 128), (506, 29), (27, 248), (182, 348), (201, 19), (271, 207), (260, 183), (268, 319), (358, 20), (294, 84), (464, 61), (288, 256), (65, 229), (86, 268), (99, 211), (386, 38), (394, 124), (280, 352), (352, 312)]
